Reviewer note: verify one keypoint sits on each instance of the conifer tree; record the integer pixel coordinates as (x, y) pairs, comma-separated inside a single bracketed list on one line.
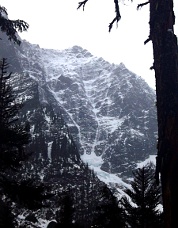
[(108, 212), (13, 135), (143, 200), (64, 216), (10, 27), (6, 216)]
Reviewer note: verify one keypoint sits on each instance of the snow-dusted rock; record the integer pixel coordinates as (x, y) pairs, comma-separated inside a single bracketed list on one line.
[(109, 110)]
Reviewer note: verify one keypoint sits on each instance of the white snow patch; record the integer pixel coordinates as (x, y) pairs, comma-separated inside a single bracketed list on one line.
[(49, 149), (47, 118), (92, 159), (94, 163), (136, 133), (111, 123), (152, 159)]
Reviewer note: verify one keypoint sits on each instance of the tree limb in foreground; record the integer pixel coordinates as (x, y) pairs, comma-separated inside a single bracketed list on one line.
[(10, 27), (117, 11)]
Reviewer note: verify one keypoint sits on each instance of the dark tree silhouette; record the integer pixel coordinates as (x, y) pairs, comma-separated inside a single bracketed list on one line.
[(26, 193), (6, 216), (117, 11), (11, 27), (13, 135), (162, 20), (108, 213), (143, 199), (64, 216), (166, 73)]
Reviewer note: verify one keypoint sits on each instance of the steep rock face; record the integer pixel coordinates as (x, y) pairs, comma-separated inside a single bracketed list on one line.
[(55, 161), (50, 136), (109, 110)]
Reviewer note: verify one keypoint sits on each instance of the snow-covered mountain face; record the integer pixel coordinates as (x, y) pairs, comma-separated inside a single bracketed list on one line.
[(109, 110)]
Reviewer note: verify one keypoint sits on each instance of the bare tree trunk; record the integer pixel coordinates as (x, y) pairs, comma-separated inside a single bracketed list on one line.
[(166, 73)]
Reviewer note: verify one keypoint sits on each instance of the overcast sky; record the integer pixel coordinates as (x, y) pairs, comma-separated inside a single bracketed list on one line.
[(57, 24)]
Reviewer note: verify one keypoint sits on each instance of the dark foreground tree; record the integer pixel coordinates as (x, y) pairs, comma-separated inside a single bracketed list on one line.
[(108, 213), (6, 216), (13, 138), (162, 20), (166, 72), (143, 200), (13, 135), (11, 27), (64, 216), (26, 193)]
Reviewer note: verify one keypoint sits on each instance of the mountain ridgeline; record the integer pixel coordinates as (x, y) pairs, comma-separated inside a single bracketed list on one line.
[(108, 111)]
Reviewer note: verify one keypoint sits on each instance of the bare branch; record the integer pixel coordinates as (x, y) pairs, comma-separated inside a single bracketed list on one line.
[(118, 16), (147, 40), (142, 4), (117, 11), (82, 4), (152, 68)]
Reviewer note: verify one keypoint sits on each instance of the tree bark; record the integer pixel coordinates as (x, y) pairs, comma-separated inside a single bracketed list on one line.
[(165, 53)]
